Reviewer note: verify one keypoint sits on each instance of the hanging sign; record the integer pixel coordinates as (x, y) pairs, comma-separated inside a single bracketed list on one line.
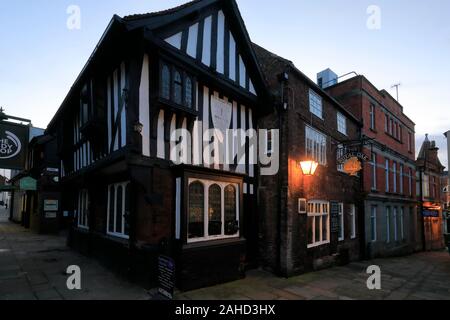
[(13, 143), (28, 184), (352, 162)]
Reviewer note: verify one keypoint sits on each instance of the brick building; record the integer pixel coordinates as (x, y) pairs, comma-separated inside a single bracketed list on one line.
[(306, 222), (445, 200), (391, 217), (429, 173)]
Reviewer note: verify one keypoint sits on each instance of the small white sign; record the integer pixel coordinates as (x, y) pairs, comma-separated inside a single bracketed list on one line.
[(51, 215), (221, 112), (51, 205)]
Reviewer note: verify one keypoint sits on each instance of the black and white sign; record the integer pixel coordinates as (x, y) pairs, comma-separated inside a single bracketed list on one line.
[(13, 143)]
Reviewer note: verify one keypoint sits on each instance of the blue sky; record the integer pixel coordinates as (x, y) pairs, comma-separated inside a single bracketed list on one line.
[(40, 57)]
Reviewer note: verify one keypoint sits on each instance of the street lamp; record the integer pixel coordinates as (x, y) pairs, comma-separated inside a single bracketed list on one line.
[(309, 167)]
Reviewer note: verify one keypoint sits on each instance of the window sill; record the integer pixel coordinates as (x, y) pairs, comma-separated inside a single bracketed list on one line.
[(214, 243), (319, 244)]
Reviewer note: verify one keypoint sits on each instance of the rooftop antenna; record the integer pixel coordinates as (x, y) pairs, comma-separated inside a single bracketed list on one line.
[(396, 86)]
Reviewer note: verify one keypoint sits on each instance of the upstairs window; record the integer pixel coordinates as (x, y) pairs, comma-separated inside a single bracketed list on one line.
[(177, 88), (315, 104), (342, 123), (372, 116), (316, 146), (165, 82)]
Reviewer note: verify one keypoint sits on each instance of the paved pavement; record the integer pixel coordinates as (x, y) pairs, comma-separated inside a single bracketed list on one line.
[(33, 267)]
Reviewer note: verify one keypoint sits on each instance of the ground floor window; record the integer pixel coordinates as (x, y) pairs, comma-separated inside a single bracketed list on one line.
[(341, 222), (373, 223), (388, 224), (395, 224), (318, 223), (83, 209), (118, 210), (213, 210), (352, 214)]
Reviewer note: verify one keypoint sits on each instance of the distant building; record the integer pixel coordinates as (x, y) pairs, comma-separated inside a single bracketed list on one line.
[(429, 173), (389, 177)]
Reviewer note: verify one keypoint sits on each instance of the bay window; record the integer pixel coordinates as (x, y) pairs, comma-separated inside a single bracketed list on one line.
[(318, 223), (213, 210)]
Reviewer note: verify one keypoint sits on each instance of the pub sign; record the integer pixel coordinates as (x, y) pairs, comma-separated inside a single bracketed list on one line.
[(13, 145)]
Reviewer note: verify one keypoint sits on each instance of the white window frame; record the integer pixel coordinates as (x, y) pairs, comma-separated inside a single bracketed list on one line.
[(341, 221), (316, 145), (83, 209), (402, 173), (116, 187), (315, 104), (325, 215), (395, 224), (373, 164), (372, 116), (387, 176), (394, 175), (402, 225), (206, 185), (373, 223), (341, 123), (353, 221), (388, 224)]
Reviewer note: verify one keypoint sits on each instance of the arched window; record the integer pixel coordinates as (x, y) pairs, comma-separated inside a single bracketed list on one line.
[(112, 194), (188, 93), (177, 88), (231, 222), (215, 210), (196, 228), (165, 82), (119, 214)]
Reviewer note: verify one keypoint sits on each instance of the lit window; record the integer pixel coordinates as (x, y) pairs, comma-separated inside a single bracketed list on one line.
[(315, 104), (318, 223), (316, 146), (83, 209), (213, 205), (342, 123), (165, 82), (177, 88), (118, 210)]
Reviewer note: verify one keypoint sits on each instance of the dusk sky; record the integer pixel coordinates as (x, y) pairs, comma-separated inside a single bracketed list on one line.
[(410, 44)]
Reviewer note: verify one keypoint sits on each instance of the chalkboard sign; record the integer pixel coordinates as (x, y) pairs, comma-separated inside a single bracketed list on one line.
[(334, 217), (166, 276)]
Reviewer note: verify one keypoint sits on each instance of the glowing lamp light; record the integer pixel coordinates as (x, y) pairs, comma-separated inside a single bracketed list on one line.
[(309, 167)]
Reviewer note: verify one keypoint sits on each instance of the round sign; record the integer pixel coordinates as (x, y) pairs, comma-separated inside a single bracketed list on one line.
[(10, 145)]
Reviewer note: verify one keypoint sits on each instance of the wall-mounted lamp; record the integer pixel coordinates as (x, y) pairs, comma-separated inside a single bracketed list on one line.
[(309, 167)]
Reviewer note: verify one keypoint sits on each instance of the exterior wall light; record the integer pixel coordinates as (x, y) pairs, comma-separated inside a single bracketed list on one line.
[(309, 167), (138, 127)]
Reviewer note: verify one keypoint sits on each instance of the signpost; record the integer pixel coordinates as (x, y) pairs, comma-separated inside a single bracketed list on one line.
[(166, 276)]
